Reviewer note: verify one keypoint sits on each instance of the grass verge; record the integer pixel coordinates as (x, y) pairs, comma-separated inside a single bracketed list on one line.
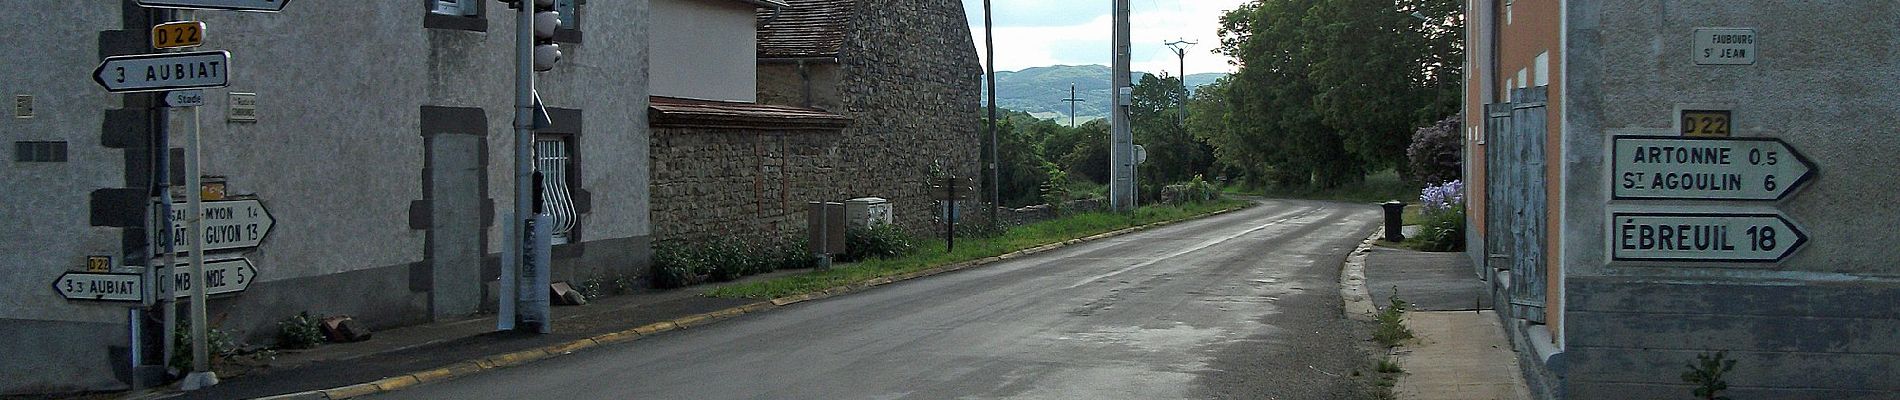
[(932, 254)]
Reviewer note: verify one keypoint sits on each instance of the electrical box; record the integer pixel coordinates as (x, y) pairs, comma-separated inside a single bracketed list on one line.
[(865, 212)]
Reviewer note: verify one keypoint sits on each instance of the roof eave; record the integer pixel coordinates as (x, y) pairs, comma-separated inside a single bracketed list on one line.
[(767, 3)]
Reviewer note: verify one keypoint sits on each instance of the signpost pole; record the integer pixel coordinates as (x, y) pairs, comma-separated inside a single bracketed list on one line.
[(201, 375), (164, 279)]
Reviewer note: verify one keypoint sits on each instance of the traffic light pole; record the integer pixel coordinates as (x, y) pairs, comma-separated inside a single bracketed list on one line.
[(515, 250)]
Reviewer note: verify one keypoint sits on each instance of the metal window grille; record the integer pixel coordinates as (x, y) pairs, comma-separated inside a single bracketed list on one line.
[(459, 8), (554, 161)]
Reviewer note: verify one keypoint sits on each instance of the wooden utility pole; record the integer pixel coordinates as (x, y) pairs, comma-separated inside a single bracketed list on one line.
[(1180, 51), (1072, 100), (989, 45)]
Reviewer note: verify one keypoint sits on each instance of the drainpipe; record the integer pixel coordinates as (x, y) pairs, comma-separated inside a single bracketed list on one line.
[(804, 76)]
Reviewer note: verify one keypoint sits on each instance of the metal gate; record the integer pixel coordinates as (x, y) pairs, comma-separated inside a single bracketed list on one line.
[(1516, 202)]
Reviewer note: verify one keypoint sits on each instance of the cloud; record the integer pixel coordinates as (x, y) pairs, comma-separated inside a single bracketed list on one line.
[(1034, 33)]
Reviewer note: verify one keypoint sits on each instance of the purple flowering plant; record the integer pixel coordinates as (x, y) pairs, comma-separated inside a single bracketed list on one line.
[(1443, 197)]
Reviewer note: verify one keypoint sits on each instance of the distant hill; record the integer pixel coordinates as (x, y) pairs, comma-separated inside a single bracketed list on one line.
[(1039, 91)]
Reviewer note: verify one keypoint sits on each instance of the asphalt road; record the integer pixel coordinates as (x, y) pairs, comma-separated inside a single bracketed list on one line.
[(1242, 305)]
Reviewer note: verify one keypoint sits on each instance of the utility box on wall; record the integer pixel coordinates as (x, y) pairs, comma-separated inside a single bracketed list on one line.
[(865, 212)]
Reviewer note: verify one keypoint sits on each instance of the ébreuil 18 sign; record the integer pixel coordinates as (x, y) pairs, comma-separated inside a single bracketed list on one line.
[(1666, 167), (1713, 237), (163, 71)]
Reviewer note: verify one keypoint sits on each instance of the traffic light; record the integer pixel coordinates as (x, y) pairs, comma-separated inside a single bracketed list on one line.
[(546, 53), (546, 19)]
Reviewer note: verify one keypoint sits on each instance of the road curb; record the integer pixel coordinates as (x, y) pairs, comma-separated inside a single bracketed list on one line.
[(1352, 282), (480, 364)]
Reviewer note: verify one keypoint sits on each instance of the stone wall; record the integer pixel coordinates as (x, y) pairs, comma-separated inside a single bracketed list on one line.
[(740, 182), (907, 77), (911, 83)]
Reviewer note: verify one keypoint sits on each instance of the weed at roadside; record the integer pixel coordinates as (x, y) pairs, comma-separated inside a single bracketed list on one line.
[(1388, 366), (1391, 330)]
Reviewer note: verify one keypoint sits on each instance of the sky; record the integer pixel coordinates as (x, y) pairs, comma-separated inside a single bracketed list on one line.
[(1037, 33)]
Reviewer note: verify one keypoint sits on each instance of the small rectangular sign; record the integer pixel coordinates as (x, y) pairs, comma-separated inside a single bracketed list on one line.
[(1724, 46), (23, 106), (243, 107), (98, 263), (185, 98), (177, 35), (1706, 123)]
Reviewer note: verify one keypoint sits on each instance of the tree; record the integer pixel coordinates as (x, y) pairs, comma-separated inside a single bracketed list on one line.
[(1155, 115), (1437, 151), (1088, 153), (1328, 90), (1023, 169)]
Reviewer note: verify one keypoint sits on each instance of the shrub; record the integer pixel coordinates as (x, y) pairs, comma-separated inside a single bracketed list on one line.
[(604, 285), (727, 260), (1193, 191), (299, 332), (220, 345), (1435, 149), (790, 252), (1443, 218), (1706, 374), (675, 266), (878, 241)]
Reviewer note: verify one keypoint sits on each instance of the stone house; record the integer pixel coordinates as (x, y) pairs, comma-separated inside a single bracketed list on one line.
[(853, 98), (381, 148)]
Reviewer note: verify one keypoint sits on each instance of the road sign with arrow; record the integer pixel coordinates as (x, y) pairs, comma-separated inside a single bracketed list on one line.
[(1703, 237), (1680, 168), (163, 71)]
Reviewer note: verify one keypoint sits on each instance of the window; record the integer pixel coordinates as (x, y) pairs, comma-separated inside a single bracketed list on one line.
[(459, 8), (570, 29), (456, 14), (554, 161), (1542, 64), (570, 13)]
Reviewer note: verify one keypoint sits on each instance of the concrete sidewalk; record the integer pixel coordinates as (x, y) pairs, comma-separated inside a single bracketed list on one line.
[(1457, 355)]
